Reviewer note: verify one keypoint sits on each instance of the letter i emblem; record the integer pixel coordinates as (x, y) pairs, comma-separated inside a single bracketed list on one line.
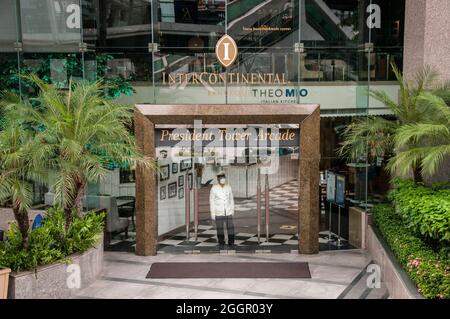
[(226, 50)]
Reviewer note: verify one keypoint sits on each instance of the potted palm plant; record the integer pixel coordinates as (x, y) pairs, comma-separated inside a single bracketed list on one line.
[(79, 131), (417, 139)]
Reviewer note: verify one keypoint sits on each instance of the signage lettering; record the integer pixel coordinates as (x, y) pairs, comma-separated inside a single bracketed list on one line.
[(230, 137)]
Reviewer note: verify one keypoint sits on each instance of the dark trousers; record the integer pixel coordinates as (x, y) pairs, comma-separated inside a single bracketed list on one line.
[(226, 221)]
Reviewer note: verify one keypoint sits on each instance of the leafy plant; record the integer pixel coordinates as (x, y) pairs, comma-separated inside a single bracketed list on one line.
[(417, 122), (51, 243), (372, 134), (81, 131), (430, 141), (20, 163), (425, 211), (428, 268), (71, 65)]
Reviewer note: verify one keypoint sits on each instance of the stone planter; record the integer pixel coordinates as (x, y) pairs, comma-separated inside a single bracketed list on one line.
[(4, 278), (357, 227), (396, 279), (59, 280)]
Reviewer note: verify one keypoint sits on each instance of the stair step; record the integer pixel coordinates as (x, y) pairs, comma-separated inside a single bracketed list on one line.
[(378, 293), (360, 290)]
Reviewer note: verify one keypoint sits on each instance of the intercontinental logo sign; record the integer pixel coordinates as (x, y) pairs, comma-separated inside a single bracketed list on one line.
[(226, 50), (226, 53)]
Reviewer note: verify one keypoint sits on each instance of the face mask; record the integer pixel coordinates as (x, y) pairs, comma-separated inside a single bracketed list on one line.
[(222, 181)]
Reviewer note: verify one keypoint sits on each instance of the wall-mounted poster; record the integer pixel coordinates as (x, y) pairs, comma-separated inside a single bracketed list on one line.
[(340, 190), (162, 192), (172, 190), (331, 187), (174, 168), (180, 193), (164, 172), (181, 180), (186, 164), (126, 176)]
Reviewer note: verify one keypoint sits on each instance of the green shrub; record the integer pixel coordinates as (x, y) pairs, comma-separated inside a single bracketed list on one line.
[(429, 269), (425, 210), (50, 243)]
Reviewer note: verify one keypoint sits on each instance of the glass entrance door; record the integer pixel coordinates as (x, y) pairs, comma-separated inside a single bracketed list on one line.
[(230, 189)]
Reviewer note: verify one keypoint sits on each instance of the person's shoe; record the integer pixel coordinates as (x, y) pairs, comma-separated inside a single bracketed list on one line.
[(232, 246)]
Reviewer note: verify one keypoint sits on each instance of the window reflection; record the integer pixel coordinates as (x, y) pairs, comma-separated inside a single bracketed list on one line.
[(50, 25), (8, 26), (117, 23), (189, 24), (263, 23)]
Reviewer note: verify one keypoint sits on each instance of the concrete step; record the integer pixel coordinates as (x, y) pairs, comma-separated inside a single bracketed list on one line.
[(378, 293), (358, 289)]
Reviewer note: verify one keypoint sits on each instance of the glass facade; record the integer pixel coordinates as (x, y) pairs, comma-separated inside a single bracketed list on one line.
[(328, 52)]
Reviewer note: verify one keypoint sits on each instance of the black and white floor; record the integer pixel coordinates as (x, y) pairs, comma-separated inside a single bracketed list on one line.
[(283, 235), (246, 242)]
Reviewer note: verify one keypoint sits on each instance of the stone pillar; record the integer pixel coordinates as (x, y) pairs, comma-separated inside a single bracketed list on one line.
[(146, 205), (427, 37), (427, 42), (308, 180)]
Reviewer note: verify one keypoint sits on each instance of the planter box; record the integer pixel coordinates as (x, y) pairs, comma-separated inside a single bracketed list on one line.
[(396, 279), (357, 227), (4, 276), (58, 280)]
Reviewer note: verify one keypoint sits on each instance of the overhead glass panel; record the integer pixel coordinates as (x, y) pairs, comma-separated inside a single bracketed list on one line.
[(8, 26), (117, 23), (50, 26), (189, 24)]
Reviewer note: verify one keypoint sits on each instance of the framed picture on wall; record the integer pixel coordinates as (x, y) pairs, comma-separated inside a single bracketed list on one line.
[(181, 180), (164, 172), (186, 164), (162, 192), (190, 180), (172, 189), (174, 168), (126, 176), (180, 193), (162, 154)]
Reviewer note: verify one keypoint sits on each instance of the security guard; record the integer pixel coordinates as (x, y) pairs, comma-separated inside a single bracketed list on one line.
[(222, 209)]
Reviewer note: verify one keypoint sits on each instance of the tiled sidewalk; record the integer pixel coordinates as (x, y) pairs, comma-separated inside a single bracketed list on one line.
[(333, 275)]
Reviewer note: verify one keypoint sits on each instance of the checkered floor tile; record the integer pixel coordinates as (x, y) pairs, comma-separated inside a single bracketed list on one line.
[(283, 201), (206, 236), (284, 197)]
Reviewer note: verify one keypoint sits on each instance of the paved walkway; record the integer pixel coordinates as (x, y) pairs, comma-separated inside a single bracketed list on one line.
[(335, 274)]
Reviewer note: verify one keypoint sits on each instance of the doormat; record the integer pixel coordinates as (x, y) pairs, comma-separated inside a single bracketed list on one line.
[(229, 270)]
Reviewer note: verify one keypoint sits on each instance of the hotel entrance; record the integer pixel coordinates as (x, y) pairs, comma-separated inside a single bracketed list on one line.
[(237, 178), (239, 193)]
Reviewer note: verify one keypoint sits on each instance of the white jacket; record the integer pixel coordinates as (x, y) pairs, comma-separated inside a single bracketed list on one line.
[(221, 201)]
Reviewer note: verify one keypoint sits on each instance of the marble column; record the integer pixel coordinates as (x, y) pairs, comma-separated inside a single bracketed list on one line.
[(146, 205), (427, 42), (427, 37), (308, 177)]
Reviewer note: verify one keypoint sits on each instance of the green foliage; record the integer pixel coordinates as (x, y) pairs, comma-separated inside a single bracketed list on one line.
[(419, 137), (372, 135), (72, 66), (81, 132), (50, 243), (425, 144), (20, 163), (428, 268), (425, 211)]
